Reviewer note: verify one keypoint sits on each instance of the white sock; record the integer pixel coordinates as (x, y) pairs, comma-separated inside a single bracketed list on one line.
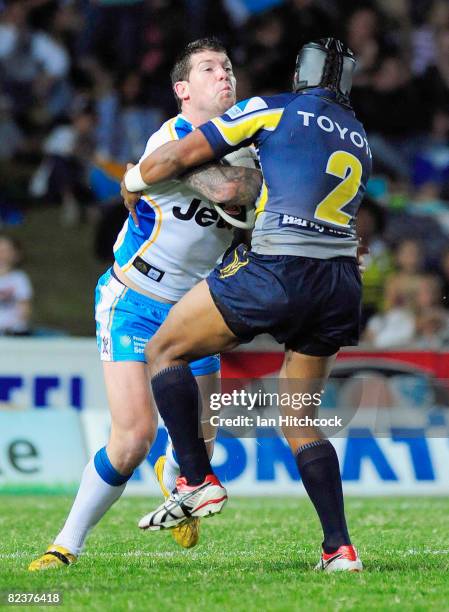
[(93, 500), (171, 469)]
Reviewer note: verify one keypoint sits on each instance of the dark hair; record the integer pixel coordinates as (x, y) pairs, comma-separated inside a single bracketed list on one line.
[(182, 66)]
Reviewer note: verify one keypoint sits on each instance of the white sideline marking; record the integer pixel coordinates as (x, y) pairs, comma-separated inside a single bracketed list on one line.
[(133, 553), (168, 554)]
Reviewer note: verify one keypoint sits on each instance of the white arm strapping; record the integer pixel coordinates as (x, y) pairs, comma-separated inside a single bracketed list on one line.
[(134, 181)]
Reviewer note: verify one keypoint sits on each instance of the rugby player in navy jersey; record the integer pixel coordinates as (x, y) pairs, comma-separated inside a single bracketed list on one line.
[(299, 282), (173, 239)]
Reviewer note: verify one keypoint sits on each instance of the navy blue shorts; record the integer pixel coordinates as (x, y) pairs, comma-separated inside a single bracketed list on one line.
[(310, 305)]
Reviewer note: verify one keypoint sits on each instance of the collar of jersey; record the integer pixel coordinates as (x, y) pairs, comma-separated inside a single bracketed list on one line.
[(182, 126), (320, 91)]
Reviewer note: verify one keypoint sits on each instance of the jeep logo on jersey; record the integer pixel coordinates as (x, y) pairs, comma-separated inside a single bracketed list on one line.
[(204, 216)]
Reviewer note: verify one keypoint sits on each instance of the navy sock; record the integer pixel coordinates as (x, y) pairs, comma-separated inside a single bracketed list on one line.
[(177, 397), (320, 473)]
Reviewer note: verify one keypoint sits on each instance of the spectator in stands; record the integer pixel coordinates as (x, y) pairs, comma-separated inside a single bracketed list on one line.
[(164, 32), (390, 108), (265, 54), (363, 38), (435, 81), (68, 153), (15, 290), (118, 54), (409, 264), (429, 19), (431, 167), (212, 17), (125, 121), (305, 20), (413, 316), (431, 319), (378, 261), (12, 138), (114, 32), (33, 64), (396, 326), (414, 313)]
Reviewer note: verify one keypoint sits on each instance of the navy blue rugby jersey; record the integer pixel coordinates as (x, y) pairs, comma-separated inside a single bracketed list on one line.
[(316, 162)]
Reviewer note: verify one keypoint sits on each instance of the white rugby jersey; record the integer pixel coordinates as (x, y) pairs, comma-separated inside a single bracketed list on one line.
[(180, 237)]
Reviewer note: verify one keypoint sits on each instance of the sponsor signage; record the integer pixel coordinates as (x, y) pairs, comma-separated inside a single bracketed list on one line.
[(47, 448), (41, 448), (53, 373), (378, 454), (405, 462)]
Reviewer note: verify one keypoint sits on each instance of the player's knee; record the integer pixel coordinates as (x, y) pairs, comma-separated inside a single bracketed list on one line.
[(134, 447), (136, 453), (150, 353), (159, 355)]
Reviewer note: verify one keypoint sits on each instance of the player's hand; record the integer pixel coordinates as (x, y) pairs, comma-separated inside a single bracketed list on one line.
[(362, 250), (130, 199)]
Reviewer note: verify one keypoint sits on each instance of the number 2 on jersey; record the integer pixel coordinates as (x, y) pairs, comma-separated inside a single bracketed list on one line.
[(330, 208)]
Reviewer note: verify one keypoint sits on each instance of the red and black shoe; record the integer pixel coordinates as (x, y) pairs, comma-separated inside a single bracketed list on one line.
[(345, 559), (185, 502)]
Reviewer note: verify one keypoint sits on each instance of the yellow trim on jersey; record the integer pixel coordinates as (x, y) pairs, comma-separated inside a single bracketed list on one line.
[(238, 130), (151, 241), (172, 132), (121, 237), (263, 199)]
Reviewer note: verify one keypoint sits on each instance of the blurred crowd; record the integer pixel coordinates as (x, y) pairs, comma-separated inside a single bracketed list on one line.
[(83, 83)]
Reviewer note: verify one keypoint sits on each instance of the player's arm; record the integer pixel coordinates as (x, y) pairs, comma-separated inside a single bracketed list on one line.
[(211, 140), (130, 199), (230, 185), (169, 161)]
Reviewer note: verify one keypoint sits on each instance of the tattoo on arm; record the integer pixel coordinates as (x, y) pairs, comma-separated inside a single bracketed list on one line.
[(225, 184)]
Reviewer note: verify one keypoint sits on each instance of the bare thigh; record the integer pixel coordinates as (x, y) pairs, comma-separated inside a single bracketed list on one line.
[(193, 329)]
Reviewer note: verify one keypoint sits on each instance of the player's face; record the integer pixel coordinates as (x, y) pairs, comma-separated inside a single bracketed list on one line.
[(211, 83)]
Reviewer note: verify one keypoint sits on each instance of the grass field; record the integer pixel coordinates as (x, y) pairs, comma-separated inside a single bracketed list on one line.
[(257, 555)]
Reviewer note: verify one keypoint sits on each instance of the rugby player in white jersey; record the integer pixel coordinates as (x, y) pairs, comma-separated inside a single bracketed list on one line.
[(171, 241)]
